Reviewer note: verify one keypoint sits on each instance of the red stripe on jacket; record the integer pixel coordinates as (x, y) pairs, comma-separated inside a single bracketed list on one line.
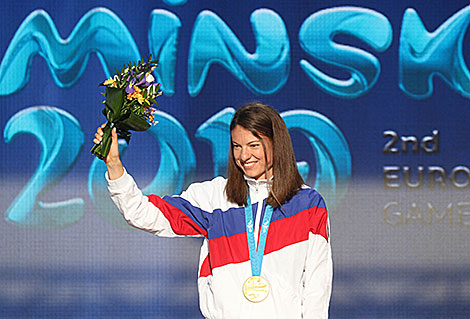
[(282, 233), (181, 223)]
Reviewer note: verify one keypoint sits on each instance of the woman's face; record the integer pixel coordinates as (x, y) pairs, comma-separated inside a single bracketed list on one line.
[(248, 153)]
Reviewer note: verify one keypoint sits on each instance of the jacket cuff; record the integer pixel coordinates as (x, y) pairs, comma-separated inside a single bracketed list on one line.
[(118, 184)]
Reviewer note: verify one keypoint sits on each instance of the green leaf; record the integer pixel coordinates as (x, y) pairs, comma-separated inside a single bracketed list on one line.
[(114, 101), (117, 72), (134, 122)]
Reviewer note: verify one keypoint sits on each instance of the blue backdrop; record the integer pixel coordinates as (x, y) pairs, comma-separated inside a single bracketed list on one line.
[(375, 95)]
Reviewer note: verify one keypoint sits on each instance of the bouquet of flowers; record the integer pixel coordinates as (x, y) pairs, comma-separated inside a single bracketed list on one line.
[(129, 95)]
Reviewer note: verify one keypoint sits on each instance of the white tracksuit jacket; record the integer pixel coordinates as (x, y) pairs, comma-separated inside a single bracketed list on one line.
[(297, 261)]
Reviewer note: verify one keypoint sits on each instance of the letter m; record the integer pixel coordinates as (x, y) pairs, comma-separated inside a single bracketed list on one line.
[(99, 31)]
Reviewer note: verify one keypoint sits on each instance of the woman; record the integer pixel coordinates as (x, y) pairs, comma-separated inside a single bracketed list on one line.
[(266, 251)]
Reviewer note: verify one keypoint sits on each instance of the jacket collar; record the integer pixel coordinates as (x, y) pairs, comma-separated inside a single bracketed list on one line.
[(259, 189)]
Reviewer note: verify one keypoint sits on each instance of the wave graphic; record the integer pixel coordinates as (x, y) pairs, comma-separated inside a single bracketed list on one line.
[(264, 72), (99, 31), (424, 55)]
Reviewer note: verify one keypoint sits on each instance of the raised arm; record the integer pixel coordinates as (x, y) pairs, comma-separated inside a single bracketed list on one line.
[(150, 213), (113, 162)]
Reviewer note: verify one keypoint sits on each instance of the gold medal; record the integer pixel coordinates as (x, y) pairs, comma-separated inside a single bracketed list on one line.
[(256, 289)]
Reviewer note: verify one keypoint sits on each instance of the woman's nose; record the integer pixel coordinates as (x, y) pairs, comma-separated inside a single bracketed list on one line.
[(245, 154)]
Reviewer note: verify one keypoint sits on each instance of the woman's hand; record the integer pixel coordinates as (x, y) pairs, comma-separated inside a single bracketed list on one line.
[(113, 162)]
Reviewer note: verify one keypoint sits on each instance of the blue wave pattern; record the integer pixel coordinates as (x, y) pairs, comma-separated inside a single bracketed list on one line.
[(316, 37), (61, 139), (264, 72), (216, 132), (163, 39), (175, 2), (99, 31), (177, 163), (332, 155), (424, 54)]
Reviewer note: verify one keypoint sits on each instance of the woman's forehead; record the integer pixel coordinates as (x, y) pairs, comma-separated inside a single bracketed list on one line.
[(243, 134)]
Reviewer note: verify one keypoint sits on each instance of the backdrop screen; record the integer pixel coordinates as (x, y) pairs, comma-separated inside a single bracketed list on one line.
[(374, 93)]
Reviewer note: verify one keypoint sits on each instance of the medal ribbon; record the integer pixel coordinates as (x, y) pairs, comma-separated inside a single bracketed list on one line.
[(256, 256)]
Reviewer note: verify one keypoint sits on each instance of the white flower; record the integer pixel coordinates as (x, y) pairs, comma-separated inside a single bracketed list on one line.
[(149, 78)]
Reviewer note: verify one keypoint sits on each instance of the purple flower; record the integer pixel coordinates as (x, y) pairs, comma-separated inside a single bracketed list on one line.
[(130, 87), (141, 81)]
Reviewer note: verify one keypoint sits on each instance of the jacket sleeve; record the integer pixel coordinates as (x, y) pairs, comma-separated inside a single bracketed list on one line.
[(318, 269), (152, 213)]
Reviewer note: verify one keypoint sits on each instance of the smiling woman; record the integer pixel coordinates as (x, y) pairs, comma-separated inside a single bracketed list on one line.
[(261, 148), (252, 154), (287, 221)]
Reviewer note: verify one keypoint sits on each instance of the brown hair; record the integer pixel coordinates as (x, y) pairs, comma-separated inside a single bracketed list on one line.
[(261, 119)]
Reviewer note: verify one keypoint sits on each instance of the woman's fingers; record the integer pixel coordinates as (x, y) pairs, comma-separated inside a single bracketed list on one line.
[(114, 134), (99, 134), (99, 130)]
